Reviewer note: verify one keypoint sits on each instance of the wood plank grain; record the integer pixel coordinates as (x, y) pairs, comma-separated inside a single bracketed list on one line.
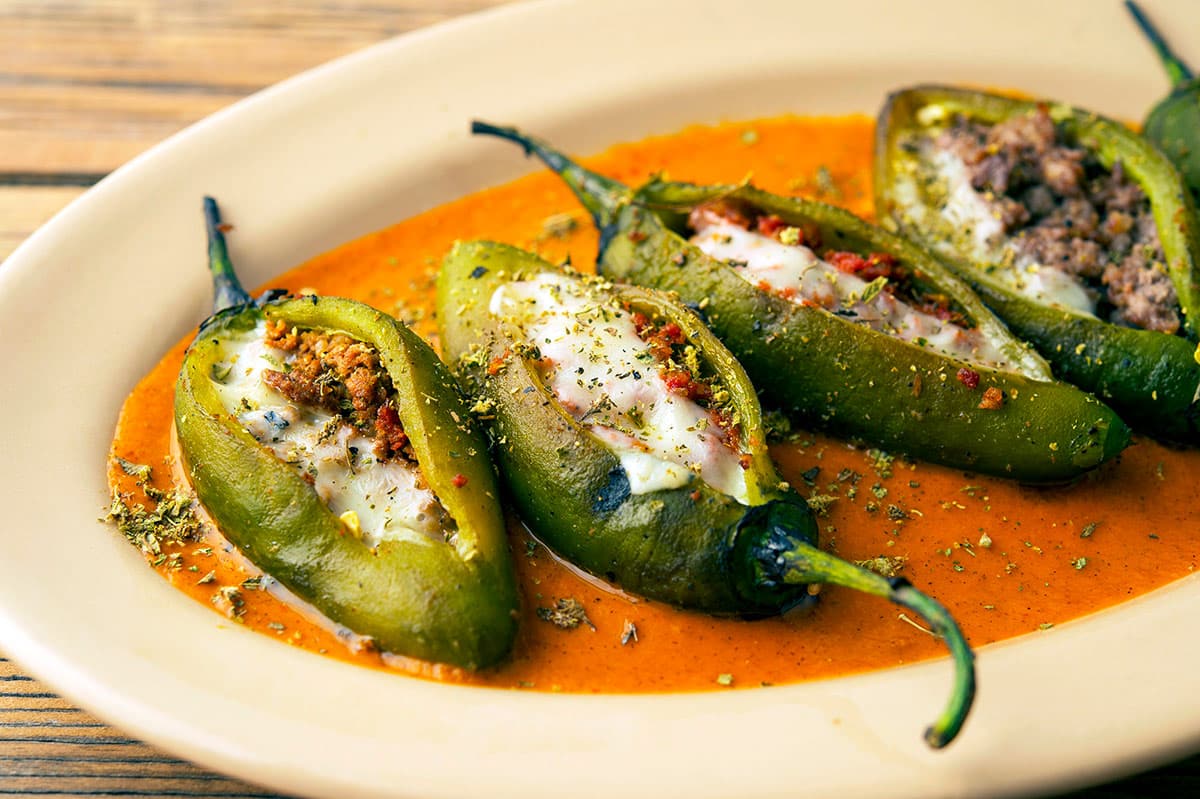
[(23, 209), (85, 86), (48, 747)]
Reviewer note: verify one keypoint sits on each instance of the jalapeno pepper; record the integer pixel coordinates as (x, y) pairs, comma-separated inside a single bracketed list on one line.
[(449, 596), (691, 544), (839, 375), (1173, 124), (1149, 376)]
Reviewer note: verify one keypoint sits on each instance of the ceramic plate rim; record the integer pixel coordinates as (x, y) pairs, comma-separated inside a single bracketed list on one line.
[(213, 694)]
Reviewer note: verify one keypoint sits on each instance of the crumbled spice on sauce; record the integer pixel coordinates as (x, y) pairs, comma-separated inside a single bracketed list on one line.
[(884, 565), (171, 519), (820, 503), (229, 600), (567, 613)]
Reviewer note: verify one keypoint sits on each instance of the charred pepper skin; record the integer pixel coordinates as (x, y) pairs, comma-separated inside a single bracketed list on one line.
[(452, 602), (1151, 378), (845, 377), (692, 546)]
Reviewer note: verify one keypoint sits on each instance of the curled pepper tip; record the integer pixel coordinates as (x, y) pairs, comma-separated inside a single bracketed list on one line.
[(790, 560), (962, 696)]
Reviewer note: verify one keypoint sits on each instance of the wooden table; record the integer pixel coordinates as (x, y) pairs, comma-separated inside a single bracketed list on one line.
[(84, 87)]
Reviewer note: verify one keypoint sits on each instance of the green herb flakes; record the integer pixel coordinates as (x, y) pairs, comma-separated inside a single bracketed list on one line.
[(139, 470), (171, 520), (821, 503), (872, 289), (567, 614), (884, 565), (229, 600), (881, 462)]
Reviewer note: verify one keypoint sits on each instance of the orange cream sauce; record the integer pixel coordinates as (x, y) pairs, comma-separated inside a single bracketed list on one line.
[(1006, 560)]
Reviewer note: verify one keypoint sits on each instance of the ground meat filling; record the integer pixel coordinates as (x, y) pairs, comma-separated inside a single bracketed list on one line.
[(1062, 209), (342, 376)]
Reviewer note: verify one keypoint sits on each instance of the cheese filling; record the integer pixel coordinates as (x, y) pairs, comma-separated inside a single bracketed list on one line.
[(797, 273), (376, 500), (606, 377)]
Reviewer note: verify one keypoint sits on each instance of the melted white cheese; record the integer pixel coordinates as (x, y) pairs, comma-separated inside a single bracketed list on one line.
[(795, 272), (605, 376), (386, 500), (967, 210)]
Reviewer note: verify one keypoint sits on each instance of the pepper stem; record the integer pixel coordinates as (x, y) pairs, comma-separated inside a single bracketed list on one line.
[(797, 562), (227, 289), (603, 197), (1177, 70)]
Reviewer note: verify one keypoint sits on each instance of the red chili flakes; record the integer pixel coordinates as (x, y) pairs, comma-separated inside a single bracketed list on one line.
[(993, 399), (637, 236), (939, 307), (661, 340), (681, 382), (869, 267), (496, 365), (694, 496), (459, 480), (968, 377), (769, 225)]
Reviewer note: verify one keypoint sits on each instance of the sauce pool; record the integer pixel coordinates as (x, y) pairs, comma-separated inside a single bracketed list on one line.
[(1005, 559)]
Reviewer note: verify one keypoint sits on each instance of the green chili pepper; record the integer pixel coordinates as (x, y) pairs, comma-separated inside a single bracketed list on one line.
[(1151, 378), (1173, 125), (691, 545), (845, 377), (450, 598)]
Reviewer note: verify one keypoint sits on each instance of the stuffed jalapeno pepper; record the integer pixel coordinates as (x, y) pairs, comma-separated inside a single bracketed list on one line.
[(856, 330), (1076, 231), (631, 443), (332, 448)]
